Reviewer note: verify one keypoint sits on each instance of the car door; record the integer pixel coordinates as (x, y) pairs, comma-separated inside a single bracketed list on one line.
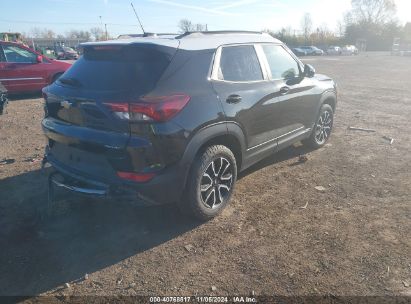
[(293, 110), (3, 89), (241, 82), (21, 72)]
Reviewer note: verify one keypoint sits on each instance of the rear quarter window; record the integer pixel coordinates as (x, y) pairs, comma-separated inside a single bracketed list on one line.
[(239, 63)]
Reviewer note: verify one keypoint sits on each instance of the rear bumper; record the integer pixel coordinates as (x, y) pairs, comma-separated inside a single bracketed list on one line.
[(93, 157), (165, 188)]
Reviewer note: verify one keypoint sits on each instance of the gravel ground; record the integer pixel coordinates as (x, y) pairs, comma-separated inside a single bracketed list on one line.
[(278, 236)]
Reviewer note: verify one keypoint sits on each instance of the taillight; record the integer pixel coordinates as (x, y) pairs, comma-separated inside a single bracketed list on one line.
[(158, 109), (136, 177)]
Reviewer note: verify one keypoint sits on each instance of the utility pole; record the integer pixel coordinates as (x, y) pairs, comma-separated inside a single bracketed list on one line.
[(102, 25), (105, 25)]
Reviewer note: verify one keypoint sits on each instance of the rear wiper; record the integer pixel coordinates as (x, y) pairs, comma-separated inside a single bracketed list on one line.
[(70, 81)]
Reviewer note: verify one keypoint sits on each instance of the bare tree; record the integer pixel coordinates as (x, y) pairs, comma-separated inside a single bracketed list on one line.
[(75, 34), (200, 27), (373, 11), (47, 33), (407, 31), (307, 25), (97, 33), (340, 28), (186, 25), (36, 32)]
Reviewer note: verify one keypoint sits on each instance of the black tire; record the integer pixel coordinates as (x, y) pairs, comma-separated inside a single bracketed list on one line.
[(55, 77), (322, 128), (219, 164)]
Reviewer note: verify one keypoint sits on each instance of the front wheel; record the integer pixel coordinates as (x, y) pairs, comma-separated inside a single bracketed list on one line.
[(211, 183), (322, 128)]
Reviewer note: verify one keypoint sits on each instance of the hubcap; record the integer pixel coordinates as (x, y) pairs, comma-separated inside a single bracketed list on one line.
[(323, 127), (216, 183)]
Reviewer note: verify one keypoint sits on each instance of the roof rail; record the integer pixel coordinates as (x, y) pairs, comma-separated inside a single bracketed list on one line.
[(186, 34), (146, 35)]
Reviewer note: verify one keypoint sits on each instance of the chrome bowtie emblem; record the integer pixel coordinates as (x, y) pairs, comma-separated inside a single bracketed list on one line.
[(66, 104)]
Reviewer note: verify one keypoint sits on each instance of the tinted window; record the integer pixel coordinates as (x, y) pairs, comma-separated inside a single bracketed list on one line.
[(240, 63), (18, 55), (282, 65), (132, 68)]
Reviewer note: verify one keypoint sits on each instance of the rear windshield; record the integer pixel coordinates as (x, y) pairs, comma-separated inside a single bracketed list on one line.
[(114, 68)]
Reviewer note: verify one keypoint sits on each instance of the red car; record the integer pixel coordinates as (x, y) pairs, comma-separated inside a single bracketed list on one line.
[(24, 70)]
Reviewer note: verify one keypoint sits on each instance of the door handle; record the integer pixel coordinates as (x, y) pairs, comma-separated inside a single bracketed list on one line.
[(234, 99), (284, 90)]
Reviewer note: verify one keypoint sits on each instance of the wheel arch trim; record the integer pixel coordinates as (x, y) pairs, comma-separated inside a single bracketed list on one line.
[(327, 95), (206, 134)]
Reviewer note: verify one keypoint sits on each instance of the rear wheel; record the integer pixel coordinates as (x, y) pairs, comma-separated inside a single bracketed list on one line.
[(211, 183), (322, 128)]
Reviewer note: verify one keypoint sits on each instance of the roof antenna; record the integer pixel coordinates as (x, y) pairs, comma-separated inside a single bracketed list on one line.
[(141, 25)]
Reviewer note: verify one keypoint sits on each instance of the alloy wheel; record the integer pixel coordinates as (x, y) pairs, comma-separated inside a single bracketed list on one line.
[(216, 183), (323, 127)]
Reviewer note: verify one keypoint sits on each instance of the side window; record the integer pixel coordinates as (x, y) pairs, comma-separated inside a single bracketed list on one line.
[(282, 64), (239, 63), (18, 55)]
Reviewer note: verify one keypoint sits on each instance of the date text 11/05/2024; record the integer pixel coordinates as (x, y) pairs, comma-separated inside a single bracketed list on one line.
[(203, 299)]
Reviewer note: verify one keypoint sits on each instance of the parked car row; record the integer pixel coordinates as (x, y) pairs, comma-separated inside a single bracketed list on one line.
[(24, 70), (308, 51), (331, 50), (66, 53)]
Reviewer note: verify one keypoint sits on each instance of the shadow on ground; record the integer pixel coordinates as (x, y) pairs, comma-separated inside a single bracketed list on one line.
[(81, 235), (283, 155), (23, 97)]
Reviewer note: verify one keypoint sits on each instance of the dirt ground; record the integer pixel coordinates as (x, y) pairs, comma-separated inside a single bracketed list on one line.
[(278, 236)]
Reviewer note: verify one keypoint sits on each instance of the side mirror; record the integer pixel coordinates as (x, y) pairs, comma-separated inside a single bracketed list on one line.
[(309, 71), (39, 59)]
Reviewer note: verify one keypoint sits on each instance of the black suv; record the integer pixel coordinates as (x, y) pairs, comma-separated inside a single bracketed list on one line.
[(174, 119)]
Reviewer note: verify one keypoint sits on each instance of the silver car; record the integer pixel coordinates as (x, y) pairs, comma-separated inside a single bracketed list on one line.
[(334, 50)]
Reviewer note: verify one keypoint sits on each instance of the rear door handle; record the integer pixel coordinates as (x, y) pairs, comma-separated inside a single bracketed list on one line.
[(234, 99), (284, 90)]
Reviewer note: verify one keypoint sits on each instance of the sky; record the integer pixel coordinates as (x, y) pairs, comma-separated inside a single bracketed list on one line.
[(162, 16)]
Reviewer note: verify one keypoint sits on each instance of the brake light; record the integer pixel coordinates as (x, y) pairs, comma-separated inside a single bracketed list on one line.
[(136, 177), (158, 109), (107, 47)]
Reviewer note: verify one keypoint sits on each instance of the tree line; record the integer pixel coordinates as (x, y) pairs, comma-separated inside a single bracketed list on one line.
[(372, 22), (369, 22), (94, 33)]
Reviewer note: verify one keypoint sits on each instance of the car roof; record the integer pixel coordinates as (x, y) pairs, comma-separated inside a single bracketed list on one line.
[(11, 43), (195, 40)]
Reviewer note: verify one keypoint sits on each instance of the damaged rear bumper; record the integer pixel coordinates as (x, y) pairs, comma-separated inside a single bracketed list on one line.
[(163, 189)]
